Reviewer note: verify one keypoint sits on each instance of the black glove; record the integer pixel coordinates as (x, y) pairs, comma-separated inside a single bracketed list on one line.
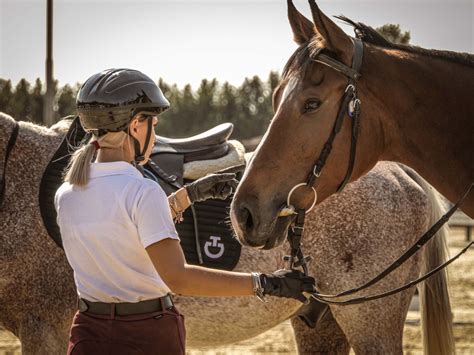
[(217, 186), (288, 284)]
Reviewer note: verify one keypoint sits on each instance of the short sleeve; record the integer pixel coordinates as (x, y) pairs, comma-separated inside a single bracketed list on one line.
[(153, 217)]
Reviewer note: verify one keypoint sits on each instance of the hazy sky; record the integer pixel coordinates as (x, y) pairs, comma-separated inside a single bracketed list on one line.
[(185, 41)]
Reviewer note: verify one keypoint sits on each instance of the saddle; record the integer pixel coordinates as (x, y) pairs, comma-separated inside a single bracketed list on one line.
[(206, 238), (204, 146)]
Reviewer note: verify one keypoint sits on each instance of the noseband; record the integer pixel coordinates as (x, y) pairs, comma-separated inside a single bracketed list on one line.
[(8, 149)]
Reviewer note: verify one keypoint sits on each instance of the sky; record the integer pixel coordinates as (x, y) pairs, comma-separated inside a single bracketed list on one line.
[(186, 41)]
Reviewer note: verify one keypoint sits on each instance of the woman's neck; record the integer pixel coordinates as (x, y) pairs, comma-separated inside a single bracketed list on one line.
[(107, 155)]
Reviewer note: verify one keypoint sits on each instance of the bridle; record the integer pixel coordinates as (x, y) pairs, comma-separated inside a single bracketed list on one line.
[(350, 106), (8, 149)]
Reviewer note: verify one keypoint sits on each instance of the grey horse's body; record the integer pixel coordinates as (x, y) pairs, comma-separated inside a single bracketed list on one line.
[(351, 236)]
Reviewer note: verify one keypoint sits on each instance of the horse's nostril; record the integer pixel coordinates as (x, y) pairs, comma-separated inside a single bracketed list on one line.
[(248, 219)]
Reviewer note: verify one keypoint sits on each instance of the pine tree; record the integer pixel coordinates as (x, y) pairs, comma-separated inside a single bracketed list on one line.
[(227, 106), (21, 103), (6, 96), (66, 101), (205, 110), (393, 33), (167, 120), (36, 97)]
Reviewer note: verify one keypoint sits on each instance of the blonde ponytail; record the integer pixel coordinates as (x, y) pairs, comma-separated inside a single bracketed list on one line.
[(77, 170)]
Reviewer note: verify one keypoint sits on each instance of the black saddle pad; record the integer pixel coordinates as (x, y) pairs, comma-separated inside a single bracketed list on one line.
[(206, 237)]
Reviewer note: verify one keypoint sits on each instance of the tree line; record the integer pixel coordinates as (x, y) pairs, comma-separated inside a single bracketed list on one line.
[(248, 106)]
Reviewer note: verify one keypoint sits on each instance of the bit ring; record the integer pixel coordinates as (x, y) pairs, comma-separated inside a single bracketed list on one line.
[(295, 188)]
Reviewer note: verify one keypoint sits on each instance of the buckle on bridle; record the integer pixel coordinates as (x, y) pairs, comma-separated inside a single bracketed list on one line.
[(352, 87), (318, 172), (354, 107)]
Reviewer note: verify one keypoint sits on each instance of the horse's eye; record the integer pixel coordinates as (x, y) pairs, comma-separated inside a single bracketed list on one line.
[(311, 105)]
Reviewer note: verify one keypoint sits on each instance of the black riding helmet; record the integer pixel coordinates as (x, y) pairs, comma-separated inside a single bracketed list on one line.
[(109, 100)]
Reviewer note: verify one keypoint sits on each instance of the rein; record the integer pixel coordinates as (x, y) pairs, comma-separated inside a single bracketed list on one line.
[(351, 106), (10, 145)]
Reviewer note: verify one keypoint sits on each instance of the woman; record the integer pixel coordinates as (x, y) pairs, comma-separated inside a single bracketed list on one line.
[(118, 232)]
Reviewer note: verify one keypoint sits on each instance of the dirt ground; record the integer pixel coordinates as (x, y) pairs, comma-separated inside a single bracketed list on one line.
[(280, 340)]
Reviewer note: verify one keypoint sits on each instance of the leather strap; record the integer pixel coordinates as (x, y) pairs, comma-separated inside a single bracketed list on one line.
[(170, 179), (357, 300), (126, 308), (140, 155), (336, 65), (352, 154), (10, 145), (425, 238), (350, 94)]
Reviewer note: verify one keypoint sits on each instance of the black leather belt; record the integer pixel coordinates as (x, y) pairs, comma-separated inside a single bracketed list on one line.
[(126, 308)]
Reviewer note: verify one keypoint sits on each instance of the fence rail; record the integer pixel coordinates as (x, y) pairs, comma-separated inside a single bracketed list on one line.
[(461, 220)]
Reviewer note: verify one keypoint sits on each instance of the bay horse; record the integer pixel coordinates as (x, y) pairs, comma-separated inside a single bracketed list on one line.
[(413, 106), (351, 235)]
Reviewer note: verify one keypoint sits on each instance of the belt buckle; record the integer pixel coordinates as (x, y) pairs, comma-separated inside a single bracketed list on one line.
[(82, 305), (170, 301)]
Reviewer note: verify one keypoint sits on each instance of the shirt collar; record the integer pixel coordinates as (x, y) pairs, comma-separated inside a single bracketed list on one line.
[(113, 168)]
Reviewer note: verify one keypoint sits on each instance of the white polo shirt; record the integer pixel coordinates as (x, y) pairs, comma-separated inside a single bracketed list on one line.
[(105, 228)]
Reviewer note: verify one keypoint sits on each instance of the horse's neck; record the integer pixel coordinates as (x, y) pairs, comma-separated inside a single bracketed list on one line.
[(425, 109)]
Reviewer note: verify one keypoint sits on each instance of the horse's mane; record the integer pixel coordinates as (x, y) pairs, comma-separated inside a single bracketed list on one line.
[(370, 35)]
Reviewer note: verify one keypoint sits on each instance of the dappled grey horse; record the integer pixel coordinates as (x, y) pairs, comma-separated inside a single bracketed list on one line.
[(351, 236)]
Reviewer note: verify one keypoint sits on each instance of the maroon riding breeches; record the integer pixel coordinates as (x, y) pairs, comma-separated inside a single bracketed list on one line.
[(160, 332)]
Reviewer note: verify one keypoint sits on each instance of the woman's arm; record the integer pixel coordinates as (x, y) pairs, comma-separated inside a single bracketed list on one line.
[(168, 259)]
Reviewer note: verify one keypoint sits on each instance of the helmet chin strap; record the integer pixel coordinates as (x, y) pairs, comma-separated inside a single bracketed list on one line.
[(140, 156)]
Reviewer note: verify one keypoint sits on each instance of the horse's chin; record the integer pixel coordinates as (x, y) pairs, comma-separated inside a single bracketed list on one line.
[(266, 238)]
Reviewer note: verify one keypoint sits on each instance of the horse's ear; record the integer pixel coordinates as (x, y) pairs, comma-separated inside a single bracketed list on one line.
[(303, 29), (330, 36)]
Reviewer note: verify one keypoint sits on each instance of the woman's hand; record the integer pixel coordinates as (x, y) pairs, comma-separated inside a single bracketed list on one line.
[(216, 186), (288, 284)]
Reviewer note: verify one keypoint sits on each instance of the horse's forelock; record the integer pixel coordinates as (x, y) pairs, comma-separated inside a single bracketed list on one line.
[(298, 62)]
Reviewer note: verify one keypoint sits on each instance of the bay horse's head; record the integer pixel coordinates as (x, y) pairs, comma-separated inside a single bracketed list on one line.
[(306, 104)]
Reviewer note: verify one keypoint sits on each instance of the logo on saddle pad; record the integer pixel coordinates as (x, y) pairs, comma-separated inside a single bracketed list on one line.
[(214, 243)]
